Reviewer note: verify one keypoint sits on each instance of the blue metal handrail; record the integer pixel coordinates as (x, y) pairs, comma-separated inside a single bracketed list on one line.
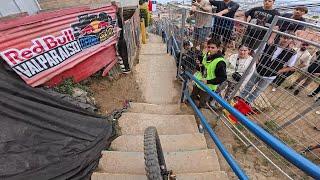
[(175, 43), (233, 164), (288, 153)]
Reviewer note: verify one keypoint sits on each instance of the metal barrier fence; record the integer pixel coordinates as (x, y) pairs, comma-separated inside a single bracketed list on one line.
[(277, 90), (292, 156)]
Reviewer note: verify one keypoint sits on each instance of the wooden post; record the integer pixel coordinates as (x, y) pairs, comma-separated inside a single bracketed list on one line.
[(143, 31)]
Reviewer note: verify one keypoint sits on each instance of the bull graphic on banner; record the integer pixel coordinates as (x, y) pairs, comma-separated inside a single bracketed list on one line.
[(51, 51), (93, 29)]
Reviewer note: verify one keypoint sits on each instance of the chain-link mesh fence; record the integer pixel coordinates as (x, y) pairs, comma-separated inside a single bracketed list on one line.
[(273, 66)]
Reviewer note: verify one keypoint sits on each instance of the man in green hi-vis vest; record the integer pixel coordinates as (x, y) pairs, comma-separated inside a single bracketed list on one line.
[(212, 72)]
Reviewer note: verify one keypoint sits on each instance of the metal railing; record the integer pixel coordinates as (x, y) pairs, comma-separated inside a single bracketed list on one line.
[(233, 164), (291, 155), (289, 117)]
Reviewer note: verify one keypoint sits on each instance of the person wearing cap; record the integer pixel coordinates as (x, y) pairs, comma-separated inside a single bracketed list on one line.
[(302, 63), (276, 59)]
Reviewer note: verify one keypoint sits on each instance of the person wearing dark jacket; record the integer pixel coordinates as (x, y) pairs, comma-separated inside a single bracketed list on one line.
[(275, 60), (297, 15), (285, 25), (212, 71), (222, 28), (262, 16)]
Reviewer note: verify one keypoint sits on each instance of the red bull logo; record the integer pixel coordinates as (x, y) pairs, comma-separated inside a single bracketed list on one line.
[(94, 27)]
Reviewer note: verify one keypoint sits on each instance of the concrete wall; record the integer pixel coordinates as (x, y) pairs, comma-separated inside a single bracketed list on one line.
[(128, 3), (56, 4)]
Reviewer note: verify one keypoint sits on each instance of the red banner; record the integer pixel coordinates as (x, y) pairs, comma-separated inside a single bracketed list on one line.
[(50, 45)]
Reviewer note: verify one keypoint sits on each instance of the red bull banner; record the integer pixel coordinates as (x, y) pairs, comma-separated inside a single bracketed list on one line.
[(51, 46)]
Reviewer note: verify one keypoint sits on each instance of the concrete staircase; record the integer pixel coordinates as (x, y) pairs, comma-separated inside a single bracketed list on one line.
[(185, 149)]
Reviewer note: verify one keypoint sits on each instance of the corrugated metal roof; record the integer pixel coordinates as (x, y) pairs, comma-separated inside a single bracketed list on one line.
[(20, 34)]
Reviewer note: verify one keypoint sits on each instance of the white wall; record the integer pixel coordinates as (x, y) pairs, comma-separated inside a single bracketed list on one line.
[(10, 7), (128, 3)]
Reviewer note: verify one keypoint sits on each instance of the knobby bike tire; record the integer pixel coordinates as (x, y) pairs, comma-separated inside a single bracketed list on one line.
[(155, 165)]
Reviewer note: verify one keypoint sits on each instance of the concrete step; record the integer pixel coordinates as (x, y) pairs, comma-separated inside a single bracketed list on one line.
[(198, 161), (219, 175), (136, 123), (169, 143), (108, 176), (153, 48), (154, 108)]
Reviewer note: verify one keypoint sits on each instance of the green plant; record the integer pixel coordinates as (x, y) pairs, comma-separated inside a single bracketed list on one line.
[(67, 86), (271, 125), (97, 75), (288, 140)]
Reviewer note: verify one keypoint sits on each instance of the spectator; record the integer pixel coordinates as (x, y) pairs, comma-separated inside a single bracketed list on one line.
[(222, 28), (203, 21), (285, 25), (298, 14), (212, 72), (314, 92), (313, 69), (261, 16), (274, 60), (163, 35), (188, 59), (237, 64), (302, 63)]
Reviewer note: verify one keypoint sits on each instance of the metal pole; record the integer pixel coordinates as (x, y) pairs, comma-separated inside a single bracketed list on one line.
[(184, 86), (143, 31), (299, 116), (256, 57), (183, 24), (38, 5)]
